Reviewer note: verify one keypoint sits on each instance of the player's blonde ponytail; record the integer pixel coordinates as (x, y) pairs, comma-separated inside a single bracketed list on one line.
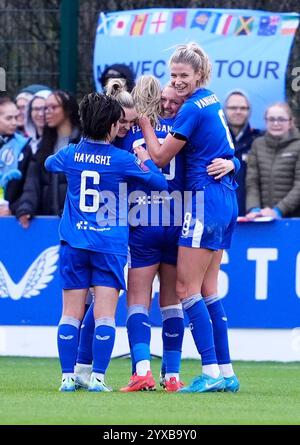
[(117, 88), (147, 97)]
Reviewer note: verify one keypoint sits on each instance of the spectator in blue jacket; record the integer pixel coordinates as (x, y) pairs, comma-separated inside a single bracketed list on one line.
[(237, 111), (15, 154)]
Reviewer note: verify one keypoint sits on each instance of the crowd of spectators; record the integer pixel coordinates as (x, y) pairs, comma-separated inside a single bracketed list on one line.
[(39, 121)]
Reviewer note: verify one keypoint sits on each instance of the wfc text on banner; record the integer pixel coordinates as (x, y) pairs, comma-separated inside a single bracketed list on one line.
[(249, 49), (259, 277)]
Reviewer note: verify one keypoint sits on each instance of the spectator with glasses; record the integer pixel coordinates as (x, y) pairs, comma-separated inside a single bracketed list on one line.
[(44, 193), (35, 118), (273, 175), (237, 110)]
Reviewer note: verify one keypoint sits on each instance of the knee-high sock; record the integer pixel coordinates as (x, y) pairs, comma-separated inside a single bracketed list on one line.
[(133, 364), (172, 336), (67, 342), (139, 332), (85, 348), (220, 328), (103, 343), (201, 328)]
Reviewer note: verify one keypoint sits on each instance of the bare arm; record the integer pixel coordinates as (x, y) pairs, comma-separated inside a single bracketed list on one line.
[(160, 154)]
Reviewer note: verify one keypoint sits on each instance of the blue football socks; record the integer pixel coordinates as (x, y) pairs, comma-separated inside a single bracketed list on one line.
[(201, 328), (172, 336), (220, 328), (139, 333), (67, 342), (103, 343), (85, 350)]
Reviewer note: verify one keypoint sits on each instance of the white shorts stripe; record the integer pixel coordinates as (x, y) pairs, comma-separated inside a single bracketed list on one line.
[(197, 235), (129, 258)]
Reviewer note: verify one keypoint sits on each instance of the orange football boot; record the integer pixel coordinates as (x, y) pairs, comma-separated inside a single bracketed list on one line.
[(140, 383), (172, 385)]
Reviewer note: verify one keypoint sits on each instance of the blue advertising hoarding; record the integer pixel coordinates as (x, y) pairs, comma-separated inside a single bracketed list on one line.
[(259, 277)]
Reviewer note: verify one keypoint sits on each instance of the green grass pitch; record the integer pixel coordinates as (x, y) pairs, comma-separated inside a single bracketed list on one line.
[(270, 394)]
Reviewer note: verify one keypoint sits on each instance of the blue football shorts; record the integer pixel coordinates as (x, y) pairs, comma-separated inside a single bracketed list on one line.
[(210, 218), (80, 268), (153, 245)]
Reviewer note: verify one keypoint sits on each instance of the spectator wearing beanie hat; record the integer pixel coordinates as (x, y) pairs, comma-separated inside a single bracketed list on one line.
[(118, 71)]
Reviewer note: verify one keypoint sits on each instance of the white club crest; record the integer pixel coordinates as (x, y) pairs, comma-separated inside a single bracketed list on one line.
[(105, 337), (37, 277)]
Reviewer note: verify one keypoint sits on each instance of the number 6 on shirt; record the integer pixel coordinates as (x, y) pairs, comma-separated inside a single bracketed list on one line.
[(89, 192)]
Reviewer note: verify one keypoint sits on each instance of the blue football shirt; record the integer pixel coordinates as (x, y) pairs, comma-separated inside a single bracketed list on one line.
[(202, 122), (174, 172), (95, 215)]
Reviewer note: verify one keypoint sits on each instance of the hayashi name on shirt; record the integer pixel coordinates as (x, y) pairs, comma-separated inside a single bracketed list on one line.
[(92, 159)]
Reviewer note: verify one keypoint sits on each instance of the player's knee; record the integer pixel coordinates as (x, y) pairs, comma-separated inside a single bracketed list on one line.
[(168, 300), (76, 313), (208, 290), (181, 289)]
